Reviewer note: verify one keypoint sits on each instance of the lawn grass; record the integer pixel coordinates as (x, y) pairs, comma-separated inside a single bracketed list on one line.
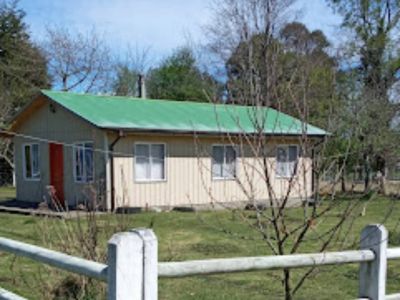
[(7, 193), (184, 236)]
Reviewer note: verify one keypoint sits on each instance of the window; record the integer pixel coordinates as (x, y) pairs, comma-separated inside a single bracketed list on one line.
[(150, 162), (286, 158), (31, 161), (223, 162), (83, 162)]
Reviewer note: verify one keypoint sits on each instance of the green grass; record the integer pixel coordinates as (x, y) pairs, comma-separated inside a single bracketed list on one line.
[(184, 236), (7, 193)]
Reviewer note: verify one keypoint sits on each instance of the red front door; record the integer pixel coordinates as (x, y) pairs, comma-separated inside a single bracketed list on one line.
[(57, 171)]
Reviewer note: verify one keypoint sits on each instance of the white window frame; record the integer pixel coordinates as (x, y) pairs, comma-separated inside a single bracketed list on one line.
[(287, 175), (150, 180), (76, 146), (236, 149), (32, 178)]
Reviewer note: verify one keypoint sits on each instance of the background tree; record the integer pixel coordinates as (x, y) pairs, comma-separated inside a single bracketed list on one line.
[(23, 68), (243, 34), (309, 71), (270, 62), (301, 64), (126, 82), (179, 78), (135, 63), (375, 55), (78, 62)]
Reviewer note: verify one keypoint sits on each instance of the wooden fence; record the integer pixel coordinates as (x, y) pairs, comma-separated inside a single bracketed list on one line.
[(133, 268)]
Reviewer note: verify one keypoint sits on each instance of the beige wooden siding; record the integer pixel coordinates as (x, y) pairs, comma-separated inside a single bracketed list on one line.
[(189, 179), (57, 125), (188, 167)]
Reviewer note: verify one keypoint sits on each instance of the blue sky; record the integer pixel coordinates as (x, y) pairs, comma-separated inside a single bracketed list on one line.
[(161, 25)]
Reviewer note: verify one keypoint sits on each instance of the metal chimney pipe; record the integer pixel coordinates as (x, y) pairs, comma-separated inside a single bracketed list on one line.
[(141, 86)]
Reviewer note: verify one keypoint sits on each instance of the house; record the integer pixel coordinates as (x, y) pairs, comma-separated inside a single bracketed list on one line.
[(130, 152)]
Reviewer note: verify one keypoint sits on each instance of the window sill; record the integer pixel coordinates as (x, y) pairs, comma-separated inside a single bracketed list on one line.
[(150, 181), (224, 178), (285, 177), (32, 179), (84, 182)]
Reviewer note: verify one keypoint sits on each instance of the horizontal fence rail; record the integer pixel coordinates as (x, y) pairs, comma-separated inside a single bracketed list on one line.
[(393, 253), (243, 264), (56, 259), (7, 295), (193, 267), (393, 297), (133, 267)]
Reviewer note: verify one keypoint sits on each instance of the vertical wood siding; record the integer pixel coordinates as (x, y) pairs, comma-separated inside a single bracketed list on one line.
[(189, 179), (188, 167), (59, 126)]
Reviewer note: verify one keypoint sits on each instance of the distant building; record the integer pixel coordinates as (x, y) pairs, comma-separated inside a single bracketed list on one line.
[(130, 152)]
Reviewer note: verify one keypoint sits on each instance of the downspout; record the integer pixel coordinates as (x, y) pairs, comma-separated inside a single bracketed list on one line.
[(112, 175)]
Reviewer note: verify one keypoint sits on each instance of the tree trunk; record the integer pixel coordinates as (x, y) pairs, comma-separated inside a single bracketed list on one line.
[(342, 170), (382, 184), (343, 181), (367, 173), (381, 168), (286, 282)]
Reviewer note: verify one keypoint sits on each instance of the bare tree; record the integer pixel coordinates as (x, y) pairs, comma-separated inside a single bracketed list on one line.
[(136, 62), (138, 58), (270, 176), (78, 61)]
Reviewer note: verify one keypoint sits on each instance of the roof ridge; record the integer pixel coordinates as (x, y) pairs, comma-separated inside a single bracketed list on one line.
[(176, 115), (163, 100)]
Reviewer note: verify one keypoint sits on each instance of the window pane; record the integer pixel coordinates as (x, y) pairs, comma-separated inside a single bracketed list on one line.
[(28, 161), (281, 164), (89, 161), (142, 150), (78, 163), (142, 166), (157, 162), (282, 154), (230, 162), (157, 151), (217, 161), (293, 155), (291, 168), (142, 170), (35, 161)]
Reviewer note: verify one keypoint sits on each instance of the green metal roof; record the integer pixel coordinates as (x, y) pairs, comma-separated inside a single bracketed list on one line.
[(114, 112)]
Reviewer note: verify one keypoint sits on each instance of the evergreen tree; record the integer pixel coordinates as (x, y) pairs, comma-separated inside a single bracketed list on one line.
[(23, 68), (375, 54), (179, 78), (292, 72), (22, 65)]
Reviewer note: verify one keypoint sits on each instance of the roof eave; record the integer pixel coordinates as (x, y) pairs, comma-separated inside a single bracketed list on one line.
[(212, 133)]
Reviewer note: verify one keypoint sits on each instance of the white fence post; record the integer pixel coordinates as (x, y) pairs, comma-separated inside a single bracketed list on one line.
[(373, 273), (132, 266), (150, 263)]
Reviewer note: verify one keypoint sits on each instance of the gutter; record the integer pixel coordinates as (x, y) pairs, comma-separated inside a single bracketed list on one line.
[(112, 175), (209, 133)]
